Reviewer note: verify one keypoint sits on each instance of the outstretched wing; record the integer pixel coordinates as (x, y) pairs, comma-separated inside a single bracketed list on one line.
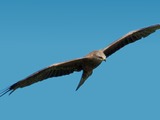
[(55, 70), (130, 38)]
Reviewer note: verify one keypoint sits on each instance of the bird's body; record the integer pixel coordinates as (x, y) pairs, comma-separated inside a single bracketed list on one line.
[(95, 58), (86, 64)]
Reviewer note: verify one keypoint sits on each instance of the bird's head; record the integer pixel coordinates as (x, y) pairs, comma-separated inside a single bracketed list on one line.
[(98, 55)]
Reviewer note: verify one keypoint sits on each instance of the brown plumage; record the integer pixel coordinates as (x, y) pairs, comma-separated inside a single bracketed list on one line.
[(130, 38), (85, 64)]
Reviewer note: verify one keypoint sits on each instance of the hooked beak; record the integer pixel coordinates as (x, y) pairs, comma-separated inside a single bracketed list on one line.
[(104, 59)]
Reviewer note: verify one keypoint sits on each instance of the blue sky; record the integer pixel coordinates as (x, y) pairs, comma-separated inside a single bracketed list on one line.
[(37, 33)]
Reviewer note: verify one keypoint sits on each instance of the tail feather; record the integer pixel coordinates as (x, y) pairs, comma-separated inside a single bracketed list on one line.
[(84, 77)]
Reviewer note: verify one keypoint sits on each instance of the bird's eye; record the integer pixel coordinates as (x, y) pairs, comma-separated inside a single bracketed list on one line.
[(100, 57)]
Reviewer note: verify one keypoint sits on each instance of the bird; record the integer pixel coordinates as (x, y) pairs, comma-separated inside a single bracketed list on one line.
[(85, 64)]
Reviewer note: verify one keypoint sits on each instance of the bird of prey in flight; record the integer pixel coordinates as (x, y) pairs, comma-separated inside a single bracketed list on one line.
[(86, 64)]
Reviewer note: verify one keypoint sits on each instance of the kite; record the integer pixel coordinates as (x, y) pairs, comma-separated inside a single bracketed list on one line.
[(86, 64)]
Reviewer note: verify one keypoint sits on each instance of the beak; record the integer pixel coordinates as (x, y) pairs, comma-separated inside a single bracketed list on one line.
[(104, 60)]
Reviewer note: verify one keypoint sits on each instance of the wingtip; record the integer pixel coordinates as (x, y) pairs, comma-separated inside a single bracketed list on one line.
[(6, 91)]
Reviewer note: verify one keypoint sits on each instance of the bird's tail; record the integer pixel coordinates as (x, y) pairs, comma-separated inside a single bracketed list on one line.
[(84, 77)]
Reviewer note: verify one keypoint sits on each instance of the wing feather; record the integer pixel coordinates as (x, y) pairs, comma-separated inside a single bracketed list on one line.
[(130, 38), (55, 70)]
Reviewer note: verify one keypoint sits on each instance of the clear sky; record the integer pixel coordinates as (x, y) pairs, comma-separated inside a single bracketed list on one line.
[(37, 33)]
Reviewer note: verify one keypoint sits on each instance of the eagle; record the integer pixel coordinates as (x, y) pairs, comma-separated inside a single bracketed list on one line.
[(85, 64)]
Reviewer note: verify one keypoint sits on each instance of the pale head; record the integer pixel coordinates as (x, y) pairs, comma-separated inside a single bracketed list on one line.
[(98, 55)]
